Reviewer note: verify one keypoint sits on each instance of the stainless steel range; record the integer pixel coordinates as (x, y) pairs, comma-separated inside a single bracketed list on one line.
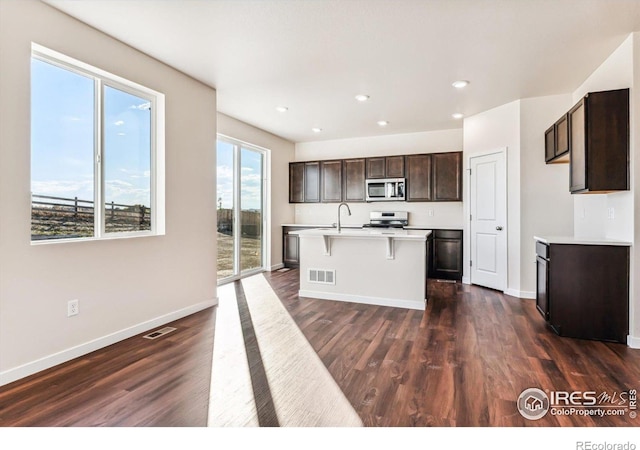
[(387, 219)]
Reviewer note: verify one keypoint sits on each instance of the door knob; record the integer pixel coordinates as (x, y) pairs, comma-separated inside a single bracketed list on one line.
[(499, 228)]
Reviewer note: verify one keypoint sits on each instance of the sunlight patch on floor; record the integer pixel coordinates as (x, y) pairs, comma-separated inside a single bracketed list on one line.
[(303, 391)]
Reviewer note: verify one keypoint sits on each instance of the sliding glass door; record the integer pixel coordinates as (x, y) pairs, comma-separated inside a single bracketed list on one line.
[(241, 206)]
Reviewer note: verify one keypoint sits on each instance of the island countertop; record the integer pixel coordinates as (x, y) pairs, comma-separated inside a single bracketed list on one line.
[(400, 234)]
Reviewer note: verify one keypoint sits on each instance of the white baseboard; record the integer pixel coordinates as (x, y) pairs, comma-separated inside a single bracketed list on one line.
[(395, 303), (633, 341), (466, 280), (276, 267), (520, 294), (11, 375)]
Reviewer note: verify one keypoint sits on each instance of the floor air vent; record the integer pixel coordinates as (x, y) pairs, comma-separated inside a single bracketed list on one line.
[(160, 332), (321, 276)]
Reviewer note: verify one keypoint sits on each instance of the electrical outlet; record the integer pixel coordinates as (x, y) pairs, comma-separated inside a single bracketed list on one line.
[(611, 213), (73, 308), (430, 212)]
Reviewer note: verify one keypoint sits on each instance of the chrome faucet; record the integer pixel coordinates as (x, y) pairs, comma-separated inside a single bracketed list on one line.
[(348, 210)]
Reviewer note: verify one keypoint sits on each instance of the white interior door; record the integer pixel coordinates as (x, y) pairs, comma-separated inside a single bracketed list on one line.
[(488, 186)]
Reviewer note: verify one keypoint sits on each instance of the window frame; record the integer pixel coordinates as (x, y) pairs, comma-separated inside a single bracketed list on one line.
[(101, 80)]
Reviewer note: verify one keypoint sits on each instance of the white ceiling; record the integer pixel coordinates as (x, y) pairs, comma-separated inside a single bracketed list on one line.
[(314, 56)]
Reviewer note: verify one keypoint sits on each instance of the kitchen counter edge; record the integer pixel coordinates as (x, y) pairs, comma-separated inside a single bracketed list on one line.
[(579, 241)]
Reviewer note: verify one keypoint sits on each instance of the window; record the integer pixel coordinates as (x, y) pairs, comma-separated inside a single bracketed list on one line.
[(96, 152)]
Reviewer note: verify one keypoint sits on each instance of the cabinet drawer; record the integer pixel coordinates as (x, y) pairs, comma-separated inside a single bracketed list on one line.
[(542, 249), (447, 234)]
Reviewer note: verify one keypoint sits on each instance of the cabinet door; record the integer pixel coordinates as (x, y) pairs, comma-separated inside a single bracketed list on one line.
[(607, 140), (376, 167), (542, 287), (311, 182), (446, 261), (394, 166), (562, 137), (577, 148), (550, 143), (296, 182), (447, 177), (290, 251), (418, 178), (331, 174), (354, 180)]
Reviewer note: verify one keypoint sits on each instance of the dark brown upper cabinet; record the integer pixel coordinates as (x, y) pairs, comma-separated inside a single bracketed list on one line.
[(354, 180), (304, 182), (312, 182), (431, 177), (418, 178), (331, 184), (296, 182), (447, 177), (386, 167), (550, 143), (376, 167), (394, 166), (562, 139), (556, 142), (599, 142)]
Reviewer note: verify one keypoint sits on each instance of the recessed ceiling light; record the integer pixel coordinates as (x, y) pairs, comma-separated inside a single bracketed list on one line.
[(457, 115), (316, 130), (383, 123), (282, 109), (362, 97), (459, 84)]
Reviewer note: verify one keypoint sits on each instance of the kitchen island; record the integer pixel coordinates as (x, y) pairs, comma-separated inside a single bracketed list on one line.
[(385, 267)]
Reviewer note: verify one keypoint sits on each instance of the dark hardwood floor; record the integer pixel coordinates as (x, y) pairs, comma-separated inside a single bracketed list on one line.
[(135, 382), (462, 362)]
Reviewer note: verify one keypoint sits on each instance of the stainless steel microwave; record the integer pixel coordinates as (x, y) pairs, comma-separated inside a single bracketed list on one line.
[(385, 189)]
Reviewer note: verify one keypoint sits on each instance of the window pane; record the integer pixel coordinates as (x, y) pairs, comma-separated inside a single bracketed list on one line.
[(126, 162), (225, 209), (62, 149), (251, 209)]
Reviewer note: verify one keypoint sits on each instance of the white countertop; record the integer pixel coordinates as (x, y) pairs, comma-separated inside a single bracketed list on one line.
[(579, 241), (408, 227), (323, 225), (417, 235)]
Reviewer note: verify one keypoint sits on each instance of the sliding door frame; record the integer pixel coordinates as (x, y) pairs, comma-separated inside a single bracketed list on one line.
[(265, 241)]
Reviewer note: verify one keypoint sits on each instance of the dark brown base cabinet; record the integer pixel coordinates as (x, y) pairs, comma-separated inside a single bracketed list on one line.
[(291, 247), (583, 290), (445, 255)]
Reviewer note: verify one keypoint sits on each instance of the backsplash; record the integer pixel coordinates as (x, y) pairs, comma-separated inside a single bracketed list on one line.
[(445, 214)]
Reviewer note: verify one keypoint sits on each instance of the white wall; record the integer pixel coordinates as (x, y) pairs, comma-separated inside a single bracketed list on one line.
[(546, 204), (484, 132), (445, 214), (124, 286), (281, 153)]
